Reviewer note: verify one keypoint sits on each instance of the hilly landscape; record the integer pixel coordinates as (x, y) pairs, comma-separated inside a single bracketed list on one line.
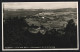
[(35, 27)]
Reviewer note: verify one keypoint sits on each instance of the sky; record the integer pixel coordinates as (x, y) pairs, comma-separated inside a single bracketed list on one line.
[(39, 5)]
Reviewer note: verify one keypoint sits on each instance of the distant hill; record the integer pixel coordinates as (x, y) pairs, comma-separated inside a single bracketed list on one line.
[(30, 12), (66, 10)]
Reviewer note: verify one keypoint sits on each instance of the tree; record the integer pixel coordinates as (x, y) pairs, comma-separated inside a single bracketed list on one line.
[(71, 34), (70, 26)]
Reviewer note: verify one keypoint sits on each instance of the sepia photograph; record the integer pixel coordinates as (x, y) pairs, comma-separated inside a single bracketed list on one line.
[(40, 26)]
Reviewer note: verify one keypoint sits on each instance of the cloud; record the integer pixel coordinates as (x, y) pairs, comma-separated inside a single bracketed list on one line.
[(37, 5)]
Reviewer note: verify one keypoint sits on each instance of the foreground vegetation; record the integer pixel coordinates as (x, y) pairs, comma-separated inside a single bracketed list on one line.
[(16, 35)]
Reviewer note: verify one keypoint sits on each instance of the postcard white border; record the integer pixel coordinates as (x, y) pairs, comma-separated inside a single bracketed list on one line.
[(43, 49)]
